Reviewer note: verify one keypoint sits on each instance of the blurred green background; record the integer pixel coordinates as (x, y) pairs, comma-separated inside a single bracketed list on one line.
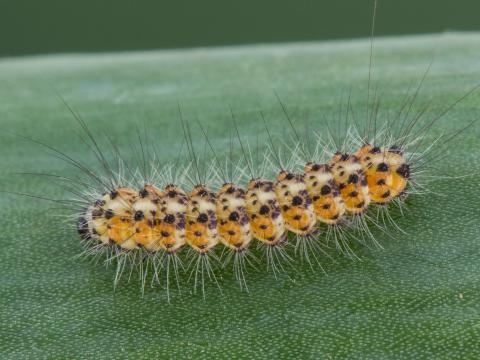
[(49, 26)]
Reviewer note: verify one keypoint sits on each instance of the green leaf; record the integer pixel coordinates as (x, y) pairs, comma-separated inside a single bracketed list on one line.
[(417, 298)]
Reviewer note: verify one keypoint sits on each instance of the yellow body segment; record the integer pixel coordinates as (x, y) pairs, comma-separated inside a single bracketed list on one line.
[(263, 210), (120, 231), (327, 202), (201, 227), (233, 223), (295, 203), (352, 184)]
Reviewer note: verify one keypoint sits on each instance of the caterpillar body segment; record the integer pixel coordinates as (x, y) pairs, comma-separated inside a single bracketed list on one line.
[(295, 203), (202, 234), (386, 172), (263, 209), (112, 218), (233, 222), (172, 213), (147, 219), (351, 181), (378, 173), (400, 172), (323, 190)]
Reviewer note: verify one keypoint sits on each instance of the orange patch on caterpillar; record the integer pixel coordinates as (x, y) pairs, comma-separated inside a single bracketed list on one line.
[(264, 229), (146, 235), (169, 239), (198, 237), (328, 211), (327, 202), (350, 179), (299, 220), (231, 235), (121, 230), (295, 203)]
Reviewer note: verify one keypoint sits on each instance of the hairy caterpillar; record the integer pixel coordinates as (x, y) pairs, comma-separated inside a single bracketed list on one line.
[(153, 249), (145, 218)]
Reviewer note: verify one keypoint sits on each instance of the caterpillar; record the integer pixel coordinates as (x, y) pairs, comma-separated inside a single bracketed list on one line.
[(154, 217), (146, 218)]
